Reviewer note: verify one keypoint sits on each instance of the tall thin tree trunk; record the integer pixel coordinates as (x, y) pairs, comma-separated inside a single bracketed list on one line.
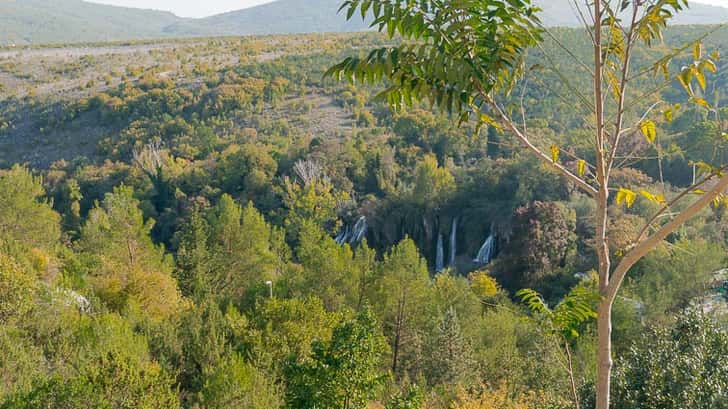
[(604, 354), (398, 335), (570, 363), (604, 319)]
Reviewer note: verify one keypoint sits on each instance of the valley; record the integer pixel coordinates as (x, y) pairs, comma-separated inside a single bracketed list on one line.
[(361, 220)]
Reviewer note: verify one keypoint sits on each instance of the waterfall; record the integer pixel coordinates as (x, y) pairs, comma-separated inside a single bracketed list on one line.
[(453, 241), (440, 256), (486, 252), (359, 231), (343, 236), (353, 235)]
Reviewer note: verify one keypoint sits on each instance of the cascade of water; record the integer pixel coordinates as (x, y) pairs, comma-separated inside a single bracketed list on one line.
[(486, 252), (343, 236), (453, 241), (353, 235), (440, 255), (359, 231)]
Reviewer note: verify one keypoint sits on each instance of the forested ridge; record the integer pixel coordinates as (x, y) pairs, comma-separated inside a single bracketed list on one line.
[(212, 224)]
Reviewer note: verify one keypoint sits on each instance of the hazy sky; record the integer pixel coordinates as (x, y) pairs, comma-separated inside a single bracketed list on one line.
[(202, 8), (187, 8)]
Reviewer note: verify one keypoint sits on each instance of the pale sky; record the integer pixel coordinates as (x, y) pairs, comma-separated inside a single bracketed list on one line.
[(203, 8), (187, 8)]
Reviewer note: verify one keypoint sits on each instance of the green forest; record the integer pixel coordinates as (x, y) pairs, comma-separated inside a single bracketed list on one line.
[(216, 223)]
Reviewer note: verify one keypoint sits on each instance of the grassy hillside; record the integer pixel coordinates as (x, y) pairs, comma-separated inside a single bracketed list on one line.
[(25, 22)]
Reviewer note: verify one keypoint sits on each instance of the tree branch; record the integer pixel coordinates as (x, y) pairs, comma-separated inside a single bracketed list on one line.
[(672, 203), (619, 122), (651, 242), (533, 148)]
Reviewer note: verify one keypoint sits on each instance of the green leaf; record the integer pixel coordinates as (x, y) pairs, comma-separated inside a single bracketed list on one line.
[(649, 130)]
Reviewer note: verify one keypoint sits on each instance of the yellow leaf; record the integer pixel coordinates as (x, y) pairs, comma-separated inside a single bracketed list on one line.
[(649, 130), (701, 79), (685, 77), (555, 151), (657, 198), (487, 119), (700, 101), (626, 196), (697, 50), (709, 65), (668, 115), (581, 167)]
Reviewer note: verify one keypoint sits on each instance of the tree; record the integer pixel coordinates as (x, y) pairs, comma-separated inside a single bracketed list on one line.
[(194, 267), (311, 197), (235, 384), (330, 271), (112, 382), (565, 321), (682, 366), (452, 355), (342, 373), (241, 245), (402, 291), (25, 218), (282, 329), (126, 265), (17, 289), (543, 238), (467, 57)]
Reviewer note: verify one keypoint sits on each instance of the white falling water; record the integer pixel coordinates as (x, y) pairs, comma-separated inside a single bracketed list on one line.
[(343, 236), (440, 255), (453, 241), (359, 231), (353, 235), (486, 252)]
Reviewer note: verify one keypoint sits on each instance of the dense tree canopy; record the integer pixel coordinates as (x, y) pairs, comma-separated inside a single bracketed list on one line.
[(182, 234)]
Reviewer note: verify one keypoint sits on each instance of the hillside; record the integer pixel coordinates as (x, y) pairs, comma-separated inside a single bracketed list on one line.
[(279, 17), (70, 21), (560, 13), (25, 22), (308, 16)]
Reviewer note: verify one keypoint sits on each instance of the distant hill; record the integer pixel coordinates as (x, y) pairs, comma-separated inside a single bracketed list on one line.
[(561, 13), (278, 17), (63, 21), (306, 16), (25, 22)]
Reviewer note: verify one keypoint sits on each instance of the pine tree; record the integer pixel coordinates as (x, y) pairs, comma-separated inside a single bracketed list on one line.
[(194, 259), (403, 289), (241, 241), (27, 221), (452, 354)]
